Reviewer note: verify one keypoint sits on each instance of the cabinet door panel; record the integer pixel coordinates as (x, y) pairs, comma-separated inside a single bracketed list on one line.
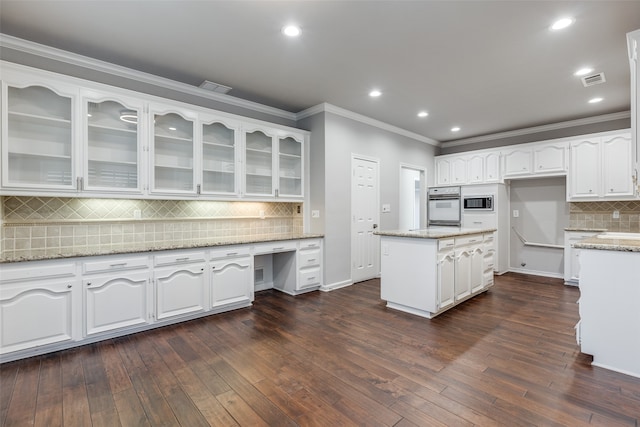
[(617, 166), (290, 171), (549, 159), (463, 274), (231, 282), (476, 169), (34, 315), (179, 291), (446, 280), (585, 169), (443, 172), (259, 152), (477, 270), (492, 167), (114, 302), (459, 171), (219, 158), (517, 162)]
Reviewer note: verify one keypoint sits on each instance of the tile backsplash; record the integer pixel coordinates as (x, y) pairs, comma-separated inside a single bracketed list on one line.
[(600, 215), (54, 225)]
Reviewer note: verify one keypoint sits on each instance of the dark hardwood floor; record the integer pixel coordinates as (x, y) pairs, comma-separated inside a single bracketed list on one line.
[(507, 357)]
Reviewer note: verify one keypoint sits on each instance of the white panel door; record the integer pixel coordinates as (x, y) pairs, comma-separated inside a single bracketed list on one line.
[(365, 246)]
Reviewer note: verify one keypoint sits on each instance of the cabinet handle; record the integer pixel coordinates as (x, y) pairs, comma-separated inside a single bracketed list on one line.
[(70, 286), (186, 258), (311, 260), (119, 264), (198, 189), (232, 253), (477, 222), (276, 192), (278, 248), (311, 278)]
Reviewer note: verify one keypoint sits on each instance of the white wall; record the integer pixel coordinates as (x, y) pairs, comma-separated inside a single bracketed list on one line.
[(544, 214), (342, 138)]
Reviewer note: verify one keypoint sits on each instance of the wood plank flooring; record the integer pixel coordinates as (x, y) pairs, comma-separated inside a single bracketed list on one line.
[(505, 358)]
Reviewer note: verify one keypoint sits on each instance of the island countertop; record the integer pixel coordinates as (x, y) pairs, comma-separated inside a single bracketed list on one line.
[(435, 232), (607, 242)]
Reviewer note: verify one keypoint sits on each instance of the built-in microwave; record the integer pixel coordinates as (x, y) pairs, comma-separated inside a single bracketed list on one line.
[(477, 203)]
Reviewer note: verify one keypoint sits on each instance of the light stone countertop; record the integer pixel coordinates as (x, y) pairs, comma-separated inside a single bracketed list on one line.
[(39, 255), (435, 232), (607, 244), (586, 229)]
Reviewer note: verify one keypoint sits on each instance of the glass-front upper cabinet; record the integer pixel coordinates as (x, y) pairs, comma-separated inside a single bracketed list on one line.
[(290, 168), (173, 152), (219, 157), (112, 150), (38, 138), (259, 163)]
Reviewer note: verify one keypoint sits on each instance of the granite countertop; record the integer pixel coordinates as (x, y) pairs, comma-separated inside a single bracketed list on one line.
[(586, 229), (435, 232), (38, 255), (610, 243)]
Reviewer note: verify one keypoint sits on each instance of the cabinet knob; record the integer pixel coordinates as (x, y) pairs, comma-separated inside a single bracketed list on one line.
[(69, 286), (88, 284)]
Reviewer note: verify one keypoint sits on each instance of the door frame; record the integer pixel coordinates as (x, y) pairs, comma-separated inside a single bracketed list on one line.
[(423, 191), (375, 160)]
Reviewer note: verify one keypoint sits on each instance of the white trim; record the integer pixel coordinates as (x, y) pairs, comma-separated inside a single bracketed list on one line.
[(43, 51), (336, 285), (536, 272), (328, 108), (538, 129)]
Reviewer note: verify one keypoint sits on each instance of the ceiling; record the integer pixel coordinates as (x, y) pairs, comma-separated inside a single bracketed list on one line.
[(485, 66)]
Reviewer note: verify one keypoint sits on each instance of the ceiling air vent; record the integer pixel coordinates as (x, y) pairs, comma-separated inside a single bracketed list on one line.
[(214, 87), (593, 79)]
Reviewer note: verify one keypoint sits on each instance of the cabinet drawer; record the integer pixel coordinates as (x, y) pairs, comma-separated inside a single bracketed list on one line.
[(488, 278), (445, 244), (230, 252), (309, 243), (468, 240), (36, 271), (309, 277), (178, 258), (275, 247), (309, 258), (115, 264)]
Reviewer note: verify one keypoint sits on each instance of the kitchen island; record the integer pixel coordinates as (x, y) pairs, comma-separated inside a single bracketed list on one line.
[(609, 327), (425, 272)]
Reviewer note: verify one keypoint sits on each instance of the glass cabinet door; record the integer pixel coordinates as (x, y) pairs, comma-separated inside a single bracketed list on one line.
[(38, 136), (259, 163), (173, 154), (218, 159), (112, 148), (290, 167)]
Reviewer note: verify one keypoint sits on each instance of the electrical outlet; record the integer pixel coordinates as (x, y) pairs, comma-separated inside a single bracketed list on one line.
[(261, 214), (315, 214), (386, 208), (516, 213), (137, 214), (616, 214)]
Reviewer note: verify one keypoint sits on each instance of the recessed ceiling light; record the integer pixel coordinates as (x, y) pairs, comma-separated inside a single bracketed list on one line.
[(291, 30), (455, 129), (562, 23), (423, 114), (583, 71), (375, 93), (595, 100)]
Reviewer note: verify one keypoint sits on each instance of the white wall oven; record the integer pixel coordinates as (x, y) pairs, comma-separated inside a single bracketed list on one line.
[(444, 206)]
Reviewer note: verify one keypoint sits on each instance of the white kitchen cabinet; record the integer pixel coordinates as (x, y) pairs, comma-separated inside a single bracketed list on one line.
[(572, 255), (443, 171), (477, 269), (259, 162), (492, 167), (38, 306), (617, 167), (290, 166), (446, 274), (112, 144), (231, 280), (39, 138), (476, 168), (601, 168), (116, 293), (517, 162), (549, 159), (173, 150), (458, 171), (309, 265), (633, 41), (220, 156), (463, 274), (489, 260), (180, 284)]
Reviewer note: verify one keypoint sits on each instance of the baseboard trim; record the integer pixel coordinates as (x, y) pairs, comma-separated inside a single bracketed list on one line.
[(537, 273), (336, 285)]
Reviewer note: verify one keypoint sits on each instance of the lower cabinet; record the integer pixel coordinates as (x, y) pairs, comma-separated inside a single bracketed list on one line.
[(462, 274), (55, 304), (446, 279), (38, 306), (116, 301), (572, 255), (180, 285), (231, 281)]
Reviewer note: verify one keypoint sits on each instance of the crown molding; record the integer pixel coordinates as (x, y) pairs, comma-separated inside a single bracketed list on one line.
[(329, 108), (70, 58), (538, 129)]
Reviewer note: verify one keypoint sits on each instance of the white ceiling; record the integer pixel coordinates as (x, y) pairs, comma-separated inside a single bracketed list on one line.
[(486, 66)]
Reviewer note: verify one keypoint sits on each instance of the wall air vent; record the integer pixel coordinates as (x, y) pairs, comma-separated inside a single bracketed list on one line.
[(214, 87), (593, 79)]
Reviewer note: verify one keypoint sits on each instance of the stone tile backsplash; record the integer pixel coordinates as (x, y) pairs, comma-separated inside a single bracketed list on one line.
[(52, 225), (600, 215)]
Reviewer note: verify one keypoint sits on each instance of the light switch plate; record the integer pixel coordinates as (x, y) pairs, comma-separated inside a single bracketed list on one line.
[(516, 213), (315, 214)]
